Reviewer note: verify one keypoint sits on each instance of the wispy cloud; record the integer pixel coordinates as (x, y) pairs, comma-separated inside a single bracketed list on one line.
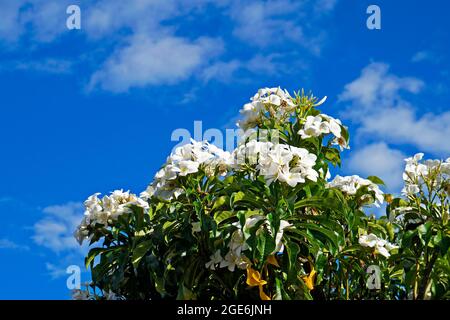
[(55, 230), (8, 244), (426, 56), (379, 107), (271, 23), (380, 160), (154, 62), (140, 43), (49, 65)]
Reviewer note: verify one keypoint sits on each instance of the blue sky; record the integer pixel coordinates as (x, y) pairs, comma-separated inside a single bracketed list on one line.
[(93, 110)]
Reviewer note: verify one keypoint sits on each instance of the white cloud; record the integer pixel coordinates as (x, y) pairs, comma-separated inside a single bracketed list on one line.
[(378, 159), (147, 44), (10, 23), (378, 106), (272, 23), (154, 62), (55, 271), (55, 66), (55, 230), (376, 84), (259, 64), (326, 5), (221, 71), (263, 23), (426, 56), (43, 19), (8, 244)]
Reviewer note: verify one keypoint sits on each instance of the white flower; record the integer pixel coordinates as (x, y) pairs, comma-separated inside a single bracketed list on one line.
[(383, 251), (350, 185), (237, 243), (380, 246), (187, 167), (273, 101), (278, 238), (369, 240), (105, 211), (334, 125), (230, 261), (389, 246), (196, 227), (78, 294), (186, 160), (250, 222), (281, 162), (326, 176), (313, 127), (291, 178), (421, 175), (410, 189), (316, 126), (216, 258)]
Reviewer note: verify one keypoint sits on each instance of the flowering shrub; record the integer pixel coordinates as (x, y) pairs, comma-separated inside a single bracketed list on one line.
[(264, 221)]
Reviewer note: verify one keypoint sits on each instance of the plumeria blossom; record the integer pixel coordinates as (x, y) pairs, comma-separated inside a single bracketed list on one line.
[(185, 160), (322, 124), (350, 185), (216, 258), (281, 162), (422, 175), (235, 256), (381, 246), (106, 210), (279, 247), (275, 102)]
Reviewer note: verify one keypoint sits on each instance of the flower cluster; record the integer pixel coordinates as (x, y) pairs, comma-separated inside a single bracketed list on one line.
[(270, 102), (281, 162), (351, 184), (435, 172), (268, 209), (106, 210), (237, 245), (381, 246), (185, 160), (234, 257), (322, 124)]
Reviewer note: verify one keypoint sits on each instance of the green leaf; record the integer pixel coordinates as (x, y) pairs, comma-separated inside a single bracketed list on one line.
[(223, 215), (376, 180), (292, 250), (265, 245), (333, 155), (235, 197), (316, 202), (220, 202), (139, 252), (91, 256), (330, 235), (185, 294)]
